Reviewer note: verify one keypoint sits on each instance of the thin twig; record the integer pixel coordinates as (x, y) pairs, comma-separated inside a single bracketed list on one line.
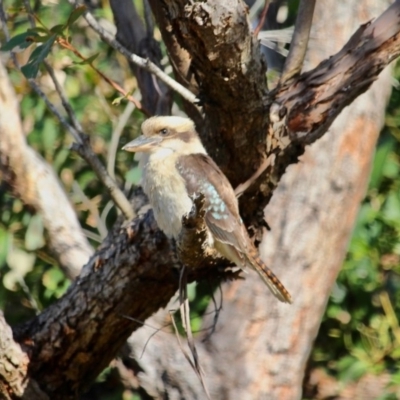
[(301, 35), (113, 147), (67, 45), (241, 188), (91, 235), (254, 9), (139, 61), (107, 208), (262, 18), (32, 301), (115, 192), (63, 97), (218, 309), (156, 330), (185, 317), (186, 355)]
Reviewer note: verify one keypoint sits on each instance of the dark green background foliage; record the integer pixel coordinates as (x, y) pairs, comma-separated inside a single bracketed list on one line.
[(360, 331)]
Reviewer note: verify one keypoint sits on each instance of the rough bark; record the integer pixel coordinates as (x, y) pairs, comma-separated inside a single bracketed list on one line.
[(14, 364), (134, 271)]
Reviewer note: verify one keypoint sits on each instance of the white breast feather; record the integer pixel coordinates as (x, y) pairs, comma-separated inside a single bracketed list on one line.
[(167, 193)]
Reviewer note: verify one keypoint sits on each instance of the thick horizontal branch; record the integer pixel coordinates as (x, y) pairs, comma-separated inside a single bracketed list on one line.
[(312, 102), (133, 273)]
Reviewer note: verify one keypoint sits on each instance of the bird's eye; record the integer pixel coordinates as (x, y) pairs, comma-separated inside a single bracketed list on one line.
[(164, 131)]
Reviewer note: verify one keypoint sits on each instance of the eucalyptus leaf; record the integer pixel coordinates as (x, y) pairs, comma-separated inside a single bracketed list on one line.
[(75, 15), (31, 69), (22, 41)]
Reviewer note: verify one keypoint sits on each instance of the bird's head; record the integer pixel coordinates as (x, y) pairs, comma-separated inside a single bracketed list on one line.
[(167, 135)]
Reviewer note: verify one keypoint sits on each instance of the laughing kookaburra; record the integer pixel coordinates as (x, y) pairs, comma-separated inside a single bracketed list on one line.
[(176, 168)]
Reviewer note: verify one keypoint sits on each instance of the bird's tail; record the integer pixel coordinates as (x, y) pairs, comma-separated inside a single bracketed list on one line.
[(270, 279)]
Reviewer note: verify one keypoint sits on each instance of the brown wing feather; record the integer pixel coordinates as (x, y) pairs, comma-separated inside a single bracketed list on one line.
[(202, 175)]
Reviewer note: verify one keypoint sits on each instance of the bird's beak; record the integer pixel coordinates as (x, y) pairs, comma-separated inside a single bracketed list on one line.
[(142, 144)]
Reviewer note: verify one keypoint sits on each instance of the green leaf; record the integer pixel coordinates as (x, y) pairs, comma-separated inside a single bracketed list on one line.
[(39, 29), (52, 278), (60, 158), (20, 264), (55, 283), (391, 209), (58, 29), (391, 167), (88, 60), (49, 136), (34, 234), (383, 151), (75, 15), (23, 40), (4, 245), (31, 69), (352, 369), (117, 100)]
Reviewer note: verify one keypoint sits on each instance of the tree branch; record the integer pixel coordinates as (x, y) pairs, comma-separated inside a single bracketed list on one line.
[(311, 216), (33, 180), (135, 263), (299, 43)]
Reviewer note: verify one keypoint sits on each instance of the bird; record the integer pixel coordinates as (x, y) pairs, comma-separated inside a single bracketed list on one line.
[(176, 168)]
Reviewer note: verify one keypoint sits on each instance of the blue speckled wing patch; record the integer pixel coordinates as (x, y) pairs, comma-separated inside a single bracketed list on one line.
[(202, 175)]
